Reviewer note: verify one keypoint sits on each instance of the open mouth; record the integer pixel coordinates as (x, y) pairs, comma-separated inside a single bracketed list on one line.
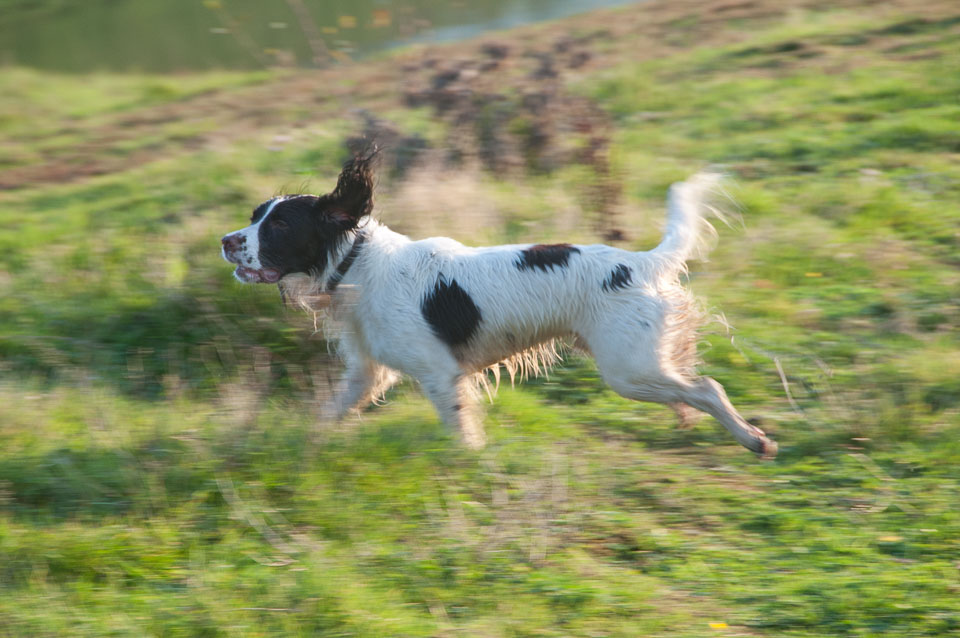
[(253, 276)]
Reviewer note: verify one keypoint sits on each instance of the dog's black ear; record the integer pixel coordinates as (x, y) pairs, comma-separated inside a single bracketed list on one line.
[(353, 196)]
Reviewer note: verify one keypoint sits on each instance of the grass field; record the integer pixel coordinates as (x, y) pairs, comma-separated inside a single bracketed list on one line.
[(162, 471)]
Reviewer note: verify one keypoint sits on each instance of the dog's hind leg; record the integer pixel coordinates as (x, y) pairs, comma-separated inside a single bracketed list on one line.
[(637, 373), (687, 417), (701, 393), (704, 393)]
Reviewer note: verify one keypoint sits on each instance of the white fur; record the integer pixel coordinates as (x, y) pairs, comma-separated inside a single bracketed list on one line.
[(249, 255), (641, 336)]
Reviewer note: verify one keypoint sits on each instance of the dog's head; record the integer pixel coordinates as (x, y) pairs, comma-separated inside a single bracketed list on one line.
[(299, 233)]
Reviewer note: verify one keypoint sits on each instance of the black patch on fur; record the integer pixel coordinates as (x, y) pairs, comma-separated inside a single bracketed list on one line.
[(451, 312), (303, 233), (295, 238), (353, 196), (545, 256), (260, 211), (619, 279)]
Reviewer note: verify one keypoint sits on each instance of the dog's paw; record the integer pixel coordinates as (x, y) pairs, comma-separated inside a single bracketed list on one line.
[(473, 438), (769, 450), (687, 417)]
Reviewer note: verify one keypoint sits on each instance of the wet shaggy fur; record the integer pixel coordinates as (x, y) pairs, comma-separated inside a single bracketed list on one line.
[(444, 313)]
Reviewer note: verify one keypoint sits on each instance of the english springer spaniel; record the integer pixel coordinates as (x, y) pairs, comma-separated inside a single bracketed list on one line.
[(444, 313)]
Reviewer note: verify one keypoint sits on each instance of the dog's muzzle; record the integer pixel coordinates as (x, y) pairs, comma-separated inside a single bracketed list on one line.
[(231, 247), (254, 276)]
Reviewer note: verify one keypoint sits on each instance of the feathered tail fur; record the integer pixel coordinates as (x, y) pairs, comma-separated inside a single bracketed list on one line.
[(689, 234)]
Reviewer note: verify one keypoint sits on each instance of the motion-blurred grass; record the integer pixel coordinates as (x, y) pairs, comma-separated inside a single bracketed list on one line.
[(162, 471)]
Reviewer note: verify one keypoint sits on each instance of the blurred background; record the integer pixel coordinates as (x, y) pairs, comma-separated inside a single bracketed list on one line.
[(189, 35), (162, 467)]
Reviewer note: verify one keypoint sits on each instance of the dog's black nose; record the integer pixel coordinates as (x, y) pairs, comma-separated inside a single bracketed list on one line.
[(231, 243)]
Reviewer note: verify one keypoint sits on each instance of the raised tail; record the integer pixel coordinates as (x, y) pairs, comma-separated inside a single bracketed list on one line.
[(688, 234)]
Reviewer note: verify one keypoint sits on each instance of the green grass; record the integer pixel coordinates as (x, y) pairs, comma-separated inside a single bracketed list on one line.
[(162, 472), (33, 106)]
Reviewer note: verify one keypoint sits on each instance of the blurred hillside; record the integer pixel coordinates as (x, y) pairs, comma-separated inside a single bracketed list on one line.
[(162, 471)]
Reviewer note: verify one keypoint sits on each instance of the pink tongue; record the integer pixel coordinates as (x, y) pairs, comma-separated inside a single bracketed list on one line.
[(265, 276)]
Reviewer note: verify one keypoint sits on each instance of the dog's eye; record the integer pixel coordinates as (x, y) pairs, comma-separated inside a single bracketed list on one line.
[(278, 224)]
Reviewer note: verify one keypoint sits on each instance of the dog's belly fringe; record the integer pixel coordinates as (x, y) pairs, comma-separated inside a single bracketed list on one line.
[(532, 361), (681, 325)]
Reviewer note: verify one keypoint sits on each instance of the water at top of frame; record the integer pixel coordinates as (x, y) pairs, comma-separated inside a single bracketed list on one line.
[(194, 35)]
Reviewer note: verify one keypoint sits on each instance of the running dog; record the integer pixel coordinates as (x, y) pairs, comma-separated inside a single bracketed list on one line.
[(444, 313)]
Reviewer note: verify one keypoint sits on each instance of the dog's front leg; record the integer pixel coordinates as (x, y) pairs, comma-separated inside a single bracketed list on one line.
[(364, 382), (452, 396)]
